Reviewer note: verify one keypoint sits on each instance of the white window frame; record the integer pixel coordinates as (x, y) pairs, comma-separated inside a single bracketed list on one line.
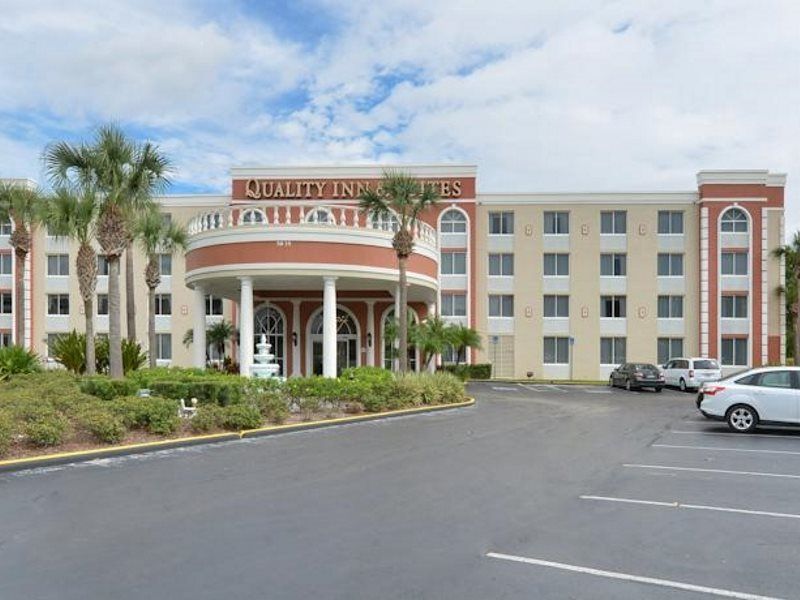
[(555, 256), (451, 258), (670, 306), (559, 343), (160, 305), (59, 313), (502, 215), (671, 256), (613, 256), (669, 214), (500, 259), (557, 219), (504, 302), (615, 217), (61, 261), (559, 300), (450, 297)]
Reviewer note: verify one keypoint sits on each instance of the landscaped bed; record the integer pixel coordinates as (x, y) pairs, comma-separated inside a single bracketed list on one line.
[(56, 411)]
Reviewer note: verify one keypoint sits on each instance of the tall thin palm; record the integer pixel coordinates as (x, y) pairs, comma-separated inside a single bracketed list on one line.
[(407, 198), (126, 175), (791, 252), (73, 214), (156, 236), (21, 205)]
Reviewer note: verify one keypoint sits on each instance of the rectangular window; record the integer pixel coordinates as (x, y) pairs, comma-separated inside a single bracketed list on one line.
[(164, 346), (213, 306), (733, 263), (166, 219), (6, 263), (612, 350), (163, 304), (670, 222), (556, 223), (5, 228), (52, 338), (733, 306), (453, 263), (556, 265), (670, 307), (501, 305), (669, 348), (556, 306), (58, 304), (58, 265), (734, 352), (501, 265), (501, 223), (5, 338), (556, 351), (6, 303), (165, 264), (454, 305), (102, 266), (102, 304), (612, 307), (613, 222), (613, 265), (670, 265)]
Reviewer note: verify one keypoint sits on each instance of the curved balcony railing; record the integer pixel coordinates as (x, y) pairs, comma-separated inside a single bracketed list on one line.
[(324, 216)]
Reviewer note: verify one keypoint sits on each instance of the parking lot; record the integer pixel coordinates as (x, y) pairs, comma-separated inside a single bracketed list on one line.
[(538, 491)]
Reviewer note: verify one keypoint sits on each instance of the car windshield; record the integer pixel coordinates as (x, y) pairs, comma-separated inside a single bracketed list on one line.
[(706, 364)]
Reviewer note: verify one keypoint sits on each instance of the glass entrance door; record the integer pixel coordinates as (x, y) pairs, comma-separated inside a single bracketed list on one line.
[(346, 354)]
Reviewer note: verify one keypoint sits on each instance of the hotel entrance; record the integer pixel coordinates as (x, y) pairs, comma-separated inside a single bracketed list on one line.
[(347, 353)]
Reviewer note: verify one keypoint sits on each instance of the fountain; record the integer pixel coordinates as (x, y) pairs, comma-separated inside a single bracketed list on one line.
[(264, 367)]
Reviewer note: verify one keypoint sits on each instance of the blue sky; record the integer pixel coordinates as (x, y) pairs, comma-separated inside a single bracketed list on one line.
[(542, 96)]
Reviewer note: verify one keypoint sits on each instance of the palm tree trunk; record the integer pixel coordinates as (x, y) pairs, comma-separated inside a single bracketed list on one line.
[(88, 310), (403, 318), (130, 302), (151, 325), (19, 297), (114, 325)]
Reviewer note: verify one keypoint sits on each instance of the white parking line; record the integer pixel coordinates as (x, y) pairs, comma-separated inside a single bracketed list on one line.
[(721, 471), (600, 391), (542, 387), (739, 435), (715, 449), (688, 587), (499, 388), (726, 509)]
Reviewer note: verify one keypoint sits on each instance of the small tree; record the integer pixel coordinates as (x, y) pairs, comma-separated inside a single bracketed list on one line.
[(219, 334), (404, 196), (156, 236), (430, 337), (461, 338)]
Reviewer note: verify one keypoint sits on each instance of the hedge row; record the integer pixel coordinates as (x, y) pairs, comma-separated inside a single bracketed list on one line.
[(465, 372)]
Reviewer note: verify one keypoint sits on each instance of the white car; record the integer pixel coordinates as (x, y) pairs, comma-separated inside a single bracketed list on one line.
[(743, 400), (691, 373)]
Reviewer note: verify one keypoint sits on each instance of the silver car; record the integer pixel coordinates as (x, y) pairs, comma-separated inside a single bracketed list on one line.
[(691, 373)]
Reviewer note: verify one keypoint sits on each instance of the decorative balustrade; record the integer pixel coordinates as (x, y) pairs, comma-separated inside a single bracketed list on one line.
[(275, 216)]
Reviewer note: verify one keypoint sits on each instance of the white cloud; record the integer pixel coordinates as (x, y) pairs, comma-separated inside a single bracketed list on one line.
[(541, 95)]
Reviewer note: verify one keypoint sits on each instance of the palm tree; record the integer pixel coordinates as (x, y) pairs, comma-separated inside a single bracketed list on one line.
[(407, 198), (156, 236), (463, 337), (73, 214), (219, 333), (431, 336), (791, 252), (21, 205), (126, 174)]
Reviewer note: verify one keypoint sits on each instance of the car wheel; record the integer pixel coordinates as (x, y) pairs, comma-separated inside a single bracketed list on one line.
[(742, 418), (682, 385), (628, 385), (611, 381), (658, 390)]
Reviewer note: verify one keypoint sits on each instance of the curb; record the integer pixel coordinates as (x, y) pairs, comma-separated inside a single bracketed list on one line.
[(47, 460)]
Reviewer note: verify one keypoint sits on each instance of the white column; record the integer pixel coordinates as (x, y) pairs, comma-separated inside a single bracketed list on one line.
[(431, 314), (329, 327), (246, 326), (296, 335), (199, 328), (370, 333)]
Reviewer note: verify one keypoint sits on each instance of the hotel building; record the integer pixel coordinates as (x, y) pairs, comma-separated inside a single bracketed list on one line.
[(559, 286)]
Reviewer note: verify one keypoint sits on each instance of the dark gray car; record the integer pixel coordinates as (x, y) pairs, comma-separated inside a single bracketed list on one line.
[(635, 376)]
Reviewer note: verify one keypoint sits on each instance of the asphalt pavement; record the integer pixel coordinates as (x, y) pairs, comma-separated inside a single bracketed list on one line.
[(537, 491)]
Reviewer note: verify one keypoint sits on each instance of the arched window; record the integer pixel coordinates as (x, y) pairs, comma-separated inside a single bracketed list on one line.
[(453, 221), (385, 222), (734, 221), (269, 321), (347, 342), (319, 215), (252, 216), (344, 323), (389, 337)]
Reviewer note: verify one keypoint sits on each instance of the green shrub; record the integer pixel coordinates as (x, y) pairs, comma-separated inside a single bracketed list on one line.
[(426, 389), (156, 415), (46, 431), (464, 371), (241, 416), (106, 388), (133, 357), (103, 424), (15, 360), (208, 418), (69, 350), (6, 432), (272, 406)]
